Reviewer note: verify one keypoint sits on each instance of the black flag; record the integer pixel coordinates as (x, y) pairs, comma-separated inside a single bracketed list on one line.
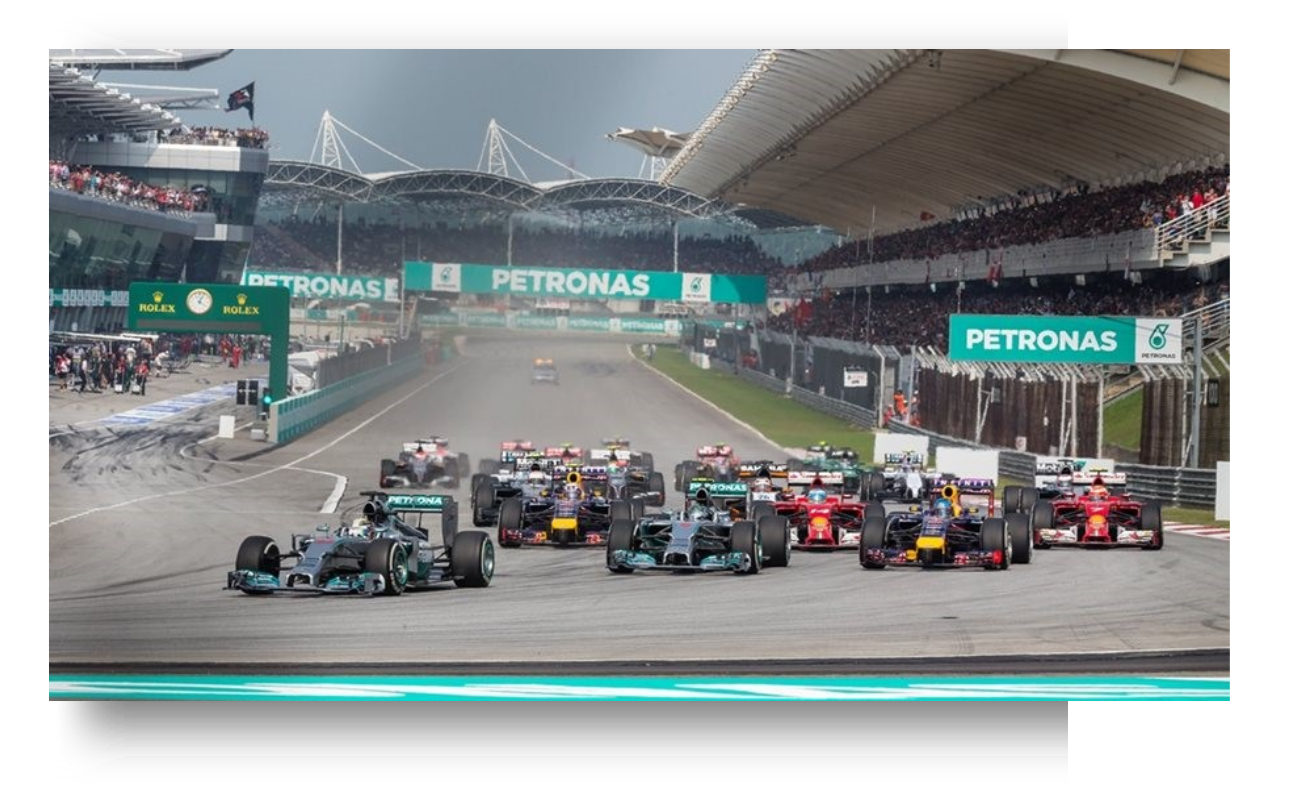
[(242, 98)]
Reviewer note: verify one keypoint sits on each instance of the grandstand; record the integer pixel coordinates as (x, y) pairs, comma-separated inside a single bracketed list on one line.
[(989, 181), (135, 194), (326, 214)]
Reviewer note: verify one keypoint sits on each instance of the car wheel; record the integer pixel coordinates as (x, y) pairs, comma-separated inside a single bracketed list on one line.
[(510, 519), (872, 536), (1042, 518), (744, 538), (387, 557), (483, 497), (386, 468), (875, 486), (995, 538), (1012, 500), (875, 510), (621, 535), (1150, 518), (472, 559), (776, 540), (762, 509), (1019, 530), (258, 553), (657, 485)]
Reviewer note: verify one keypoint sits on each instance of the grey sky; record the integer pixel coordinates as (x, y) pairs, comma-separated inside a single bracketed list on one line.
[(432, 106)]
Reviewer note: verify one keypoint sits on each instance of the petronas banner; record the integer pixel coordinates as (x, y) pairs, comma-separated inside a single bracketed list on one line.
[(589, 284)]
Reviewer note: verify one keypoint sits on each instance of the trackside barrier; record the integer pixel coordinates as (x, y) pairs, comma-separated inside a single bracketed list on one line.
[(296, 416), (1190, 488), (842, 410)]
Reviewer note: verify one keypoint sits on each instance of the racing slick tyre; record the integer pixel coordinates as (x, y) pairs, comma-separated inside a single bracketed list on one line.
[(621, 535), (258, 553), (657, 484), (646, 461), (387, 557), (995, 538), (874, 485), (510, 519), (472, 559), (744, 538), (637, 509), (1012, 500), (1029, 497), (451, 469), (1019, 529), (761, 509), (687, 471), (776, 539), (875, 510), (462, 462), (1042, 517), (872, 536), (485, 466), (1150, 518), (386, 468), (621, 510), (483, 496)]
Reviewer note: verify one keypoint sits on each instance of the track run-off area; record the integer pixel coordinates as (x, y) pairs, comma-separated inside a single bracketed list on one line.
[(146, 520)]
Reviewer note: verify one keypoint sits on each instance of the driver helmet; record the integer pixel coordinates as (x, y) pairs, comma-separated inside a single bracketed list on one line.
[(700, 513), (1099, 490), (763, 484), (537, 478), (572, 491), (942, 508), (817, 495), (361, 527)]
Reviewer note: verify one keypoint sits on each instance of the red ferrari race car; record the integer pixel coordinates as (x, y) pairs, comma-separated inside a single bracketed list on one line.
[(1105, 515), (822, 517)]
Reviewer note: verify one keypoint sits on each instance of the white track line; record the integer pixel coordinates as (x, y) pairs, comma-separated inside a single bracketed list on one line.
[(339, 488), (272, 470)]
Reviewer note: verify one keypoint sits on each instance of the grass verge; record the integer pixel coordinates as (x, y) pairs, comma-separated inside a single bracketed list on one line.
[(1123, 420), (780, 419)]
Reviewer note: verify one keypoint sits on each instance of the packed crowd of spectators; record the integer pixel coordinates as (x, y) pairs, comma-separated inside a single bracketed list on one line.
[(126, 366), (252, 138), (1035, 218), (120, 188), (380, 248), (917, 316)]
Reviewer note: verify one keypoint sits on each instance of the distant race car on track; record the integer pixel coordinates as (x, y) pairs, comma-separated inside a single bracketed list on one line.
[(543, 370), (422, 463)]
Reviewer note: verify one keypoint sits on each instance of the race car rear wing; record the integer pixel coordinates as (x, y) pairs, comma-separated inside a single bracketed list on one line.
[(384, 508), (763, 469), (718, 490), (558, 452), (809, 478), (966, 485)]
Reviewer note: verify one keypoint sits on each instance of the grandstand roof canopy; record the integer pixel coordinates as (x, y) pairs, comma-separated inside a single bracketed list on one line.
[(293, 181), (80, 105), (861, 139), (164, 59), (655, 142)]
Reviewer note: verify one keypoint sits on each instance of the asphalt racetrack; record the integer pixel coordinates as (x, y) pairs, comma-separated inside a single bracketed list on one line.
[(145, 523)]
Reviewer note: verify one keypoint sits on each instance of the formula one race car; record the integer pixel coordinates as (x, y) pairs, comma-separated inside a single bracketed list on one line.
[(425, 462), (824, 457), (1105, 515), (714, 462), (384, 551), (903, 478), (528, 476), (543, 370), (510, 451), (821, 517), (618, 450), (569, 514), (945, 534), (702, 537)]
